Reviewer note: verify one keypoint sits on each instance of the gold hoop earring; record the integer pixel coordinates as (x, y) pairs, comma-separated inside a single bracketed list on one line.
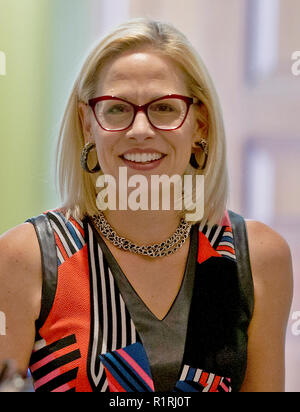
[(84, 158), (193, 162)]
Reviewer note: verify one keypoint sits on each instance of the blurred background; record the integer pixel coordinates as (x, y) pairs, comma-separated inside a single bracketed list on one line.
[(249, 47)]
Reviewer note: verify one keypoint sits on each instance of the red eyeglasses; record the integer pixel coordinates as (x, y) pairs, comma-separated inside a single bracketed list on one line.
[(165, 113)]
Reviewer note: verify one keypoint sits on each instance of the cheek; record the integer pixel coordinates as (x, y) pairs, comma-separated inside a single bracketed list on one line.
[(184, 148), (182, 154), (106, 145), (103, 150), (185, 141)]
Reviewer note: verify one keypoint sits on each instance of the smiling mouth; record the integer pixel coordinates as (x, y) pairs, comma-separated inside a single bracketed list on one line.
[(142, 158)]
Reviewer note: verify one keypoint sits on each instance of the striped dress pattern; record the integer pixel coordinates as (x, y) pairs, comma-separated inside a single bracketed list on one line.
[(88, 341)]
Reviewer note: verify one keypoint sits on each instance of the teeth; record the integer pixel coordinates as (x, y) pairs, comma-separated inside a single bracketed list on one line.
[(142, 157)]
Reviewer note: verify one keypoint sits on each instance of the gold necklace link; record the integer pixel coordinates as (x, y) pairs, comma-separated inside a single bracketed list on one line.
[(166, 248)]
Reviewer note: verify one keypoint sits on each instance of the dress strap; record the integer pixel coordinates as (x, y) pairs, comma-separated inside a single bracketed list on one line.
[(47, 244), (243, 261)]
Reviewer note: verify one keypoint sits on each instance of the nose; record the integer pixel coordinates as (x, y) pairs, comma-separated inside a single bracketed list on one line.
[(141, 128)]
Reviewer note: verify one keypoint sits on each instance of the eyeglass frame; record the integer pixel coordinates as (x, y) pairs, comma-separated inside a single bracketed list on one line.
[(143, 108)]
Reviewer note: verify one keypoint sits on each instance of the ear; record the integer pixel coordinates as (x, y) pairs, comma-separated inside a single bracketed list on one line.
[(201, 126), (85, 113)]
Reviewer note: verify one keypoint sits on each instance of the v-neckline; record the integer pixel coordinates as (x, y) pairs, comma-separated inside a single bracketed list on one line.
[(169, 333), (123, 282)]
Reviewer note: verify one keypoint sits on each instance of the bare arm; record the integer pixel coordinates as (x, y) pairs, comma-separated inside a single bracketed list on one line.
[(20, 294), (272, 275)]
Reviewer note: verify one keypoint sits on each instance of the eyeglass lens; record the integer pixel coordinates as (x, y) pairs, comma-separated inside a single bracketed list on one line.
[(164, 114)]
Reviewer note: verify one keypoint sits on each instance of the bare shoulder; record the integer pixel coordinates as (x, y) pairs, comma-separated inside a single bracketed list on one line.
[(271, 265), (20, 263), (270, 255), (264, 235), (19, 246), (20, 293)]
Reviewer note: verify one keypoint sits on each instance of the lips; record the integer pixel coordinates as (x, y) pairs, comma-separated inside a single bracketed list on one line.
[(140, 158)]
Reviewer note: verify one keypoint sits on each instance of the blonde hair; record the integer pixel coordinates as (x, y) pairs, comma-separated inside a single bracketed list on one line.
[(77, 188)]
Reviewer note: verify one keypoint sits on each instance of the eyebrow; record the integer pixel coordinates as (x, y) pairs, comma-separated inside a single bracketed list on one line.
[(157, 96)]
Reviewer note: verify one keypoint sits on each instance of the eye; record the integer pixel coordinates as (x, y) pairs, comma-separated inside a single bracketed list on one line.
[(118, 109), (162, 108)]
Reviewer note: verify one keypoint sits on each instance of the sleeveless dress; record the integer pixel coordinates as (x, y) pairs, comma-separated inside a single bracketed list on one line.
[(95, 334)]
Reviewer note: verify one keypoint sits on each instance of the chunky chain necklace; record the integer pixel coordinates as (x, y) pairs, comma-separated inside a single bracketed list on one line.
[(165, 248)]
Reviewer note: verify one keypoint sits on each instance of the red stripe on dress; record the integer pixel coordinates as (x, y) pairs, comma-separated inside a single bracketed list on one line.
[(137, 368), (61, 246), (55, 373), (113, 384), (215, 384), (66, 387), (52, 356), (75, 223), (226, 249)]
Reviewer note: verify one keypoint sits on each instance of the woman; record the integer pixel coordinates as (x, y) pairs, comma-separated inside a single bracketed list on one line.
[(86, 306)]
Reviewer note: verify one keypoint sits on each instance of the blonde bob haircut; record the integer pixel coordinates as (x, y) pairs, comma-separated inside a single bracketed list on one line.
[(77, 187)]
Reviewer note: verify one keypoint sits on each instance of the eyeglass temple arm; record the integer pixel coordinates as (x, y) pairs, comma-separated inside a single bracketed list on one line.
[(196, 100)]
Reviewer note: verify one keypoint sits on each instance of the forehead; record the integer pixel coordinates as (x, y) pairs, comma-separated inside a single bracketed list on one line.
[(141, 69)]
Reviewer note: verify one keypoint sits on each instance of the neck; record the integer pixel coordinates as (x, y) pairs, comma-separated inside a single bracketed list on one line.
[(143, 227)]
